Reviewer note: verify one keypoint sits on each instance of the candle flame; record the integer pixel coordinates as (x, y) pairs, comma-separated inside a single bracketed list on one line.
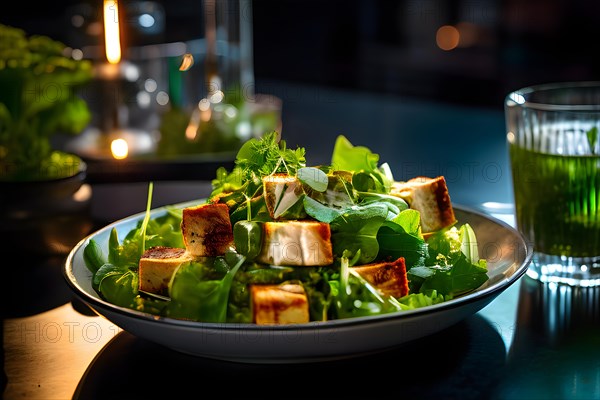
[(112, 40), (119, 149)]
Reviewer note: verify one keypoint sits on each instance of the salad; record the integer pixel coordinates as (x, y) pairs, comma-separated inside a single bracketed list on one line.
[(280, 242)]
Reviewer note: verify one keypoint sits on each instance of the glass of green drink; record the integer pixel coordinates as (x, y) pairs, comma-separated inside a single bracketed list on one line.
[(554, 148)]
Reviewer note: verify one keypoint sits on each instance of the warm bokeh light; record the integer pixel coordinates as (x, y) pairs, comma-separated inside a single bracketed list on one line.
[(119, 149), (187, 61), (510, 137), (83, 194), (192, 129), (447, 37), (112, 38)]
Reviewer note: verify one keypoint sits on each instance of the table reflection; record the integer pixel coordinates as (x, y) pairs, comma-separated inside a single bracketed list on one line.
[(556, 348), (438, 366)]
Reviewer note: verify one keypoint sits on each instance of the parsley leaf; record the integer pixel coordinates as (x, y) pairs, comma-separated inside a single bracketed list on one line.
[(260, 157)]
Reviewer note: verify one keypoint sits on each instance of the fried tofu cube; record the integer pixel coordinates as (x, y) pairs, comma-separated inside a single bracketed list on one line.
[(431, 198), (279, 304), (388, 277), (207, 230), (156, 267), (296, 243)]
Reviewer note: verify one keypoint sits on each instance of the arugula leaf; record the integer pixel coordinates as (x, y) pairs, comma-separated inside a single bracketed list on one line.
[(313, 177), (356, 229), (226, 182), (199, 299), (417, 300), (321, 212), (453, 266), (116, 284), (347, 157), (164, 231), (368, 176), (454, 280), (339, 192), (394, 241), (92, 256), (395, 204)]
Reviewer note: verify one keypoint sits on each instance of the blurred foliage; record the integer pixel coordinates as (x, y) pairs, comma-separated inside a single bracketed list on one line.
[(39, 80), (221, 127)]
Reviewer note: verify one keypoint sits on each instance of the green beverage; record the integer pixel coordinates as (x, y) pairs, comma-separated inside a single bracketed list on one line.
[(553, 135), (557, 201)]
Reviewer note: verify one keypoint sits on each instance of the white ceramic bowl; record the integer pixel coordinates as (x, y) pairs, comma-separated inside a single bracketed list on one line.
[(506, 250)]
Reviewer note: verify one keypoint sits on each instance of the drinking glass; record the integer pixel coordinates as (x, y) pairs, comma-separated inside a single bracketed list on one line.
[(554, 151)]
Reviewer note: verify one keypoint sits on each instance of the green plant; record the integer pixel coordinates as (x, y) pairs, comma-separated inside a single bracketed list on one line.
[(39, 80)]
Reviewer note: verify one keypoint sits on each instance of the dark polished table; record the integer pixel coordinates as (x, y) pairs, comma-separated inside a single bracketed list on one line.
[(533, 341)]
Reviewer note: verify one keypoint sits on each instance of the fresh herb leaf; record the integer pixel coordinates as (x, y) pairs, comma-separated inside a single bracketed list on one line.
[(356, 229), (468, 243), (198, 299), (368, 176), (457, 279), (146, 218), (313, 177), (395, 242), (321, 212), (269, 155), (257, 158), (116, 284), (92, 256)]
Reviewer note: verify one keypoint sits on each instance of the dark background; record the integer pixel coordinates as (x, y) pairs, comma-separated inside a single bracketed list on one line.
[(387, 46)]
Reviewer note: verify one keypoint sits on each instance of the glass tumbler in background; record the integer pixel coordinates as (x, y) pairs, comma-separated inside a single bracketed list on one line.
[(552, 134)]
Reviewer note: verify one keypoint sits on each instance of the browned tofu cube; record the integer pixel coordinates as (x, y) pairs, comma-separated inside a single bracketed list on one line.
[(279, 304), (156, 267), (388, 277), (207, 230), (431, 198), (296, 243)]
